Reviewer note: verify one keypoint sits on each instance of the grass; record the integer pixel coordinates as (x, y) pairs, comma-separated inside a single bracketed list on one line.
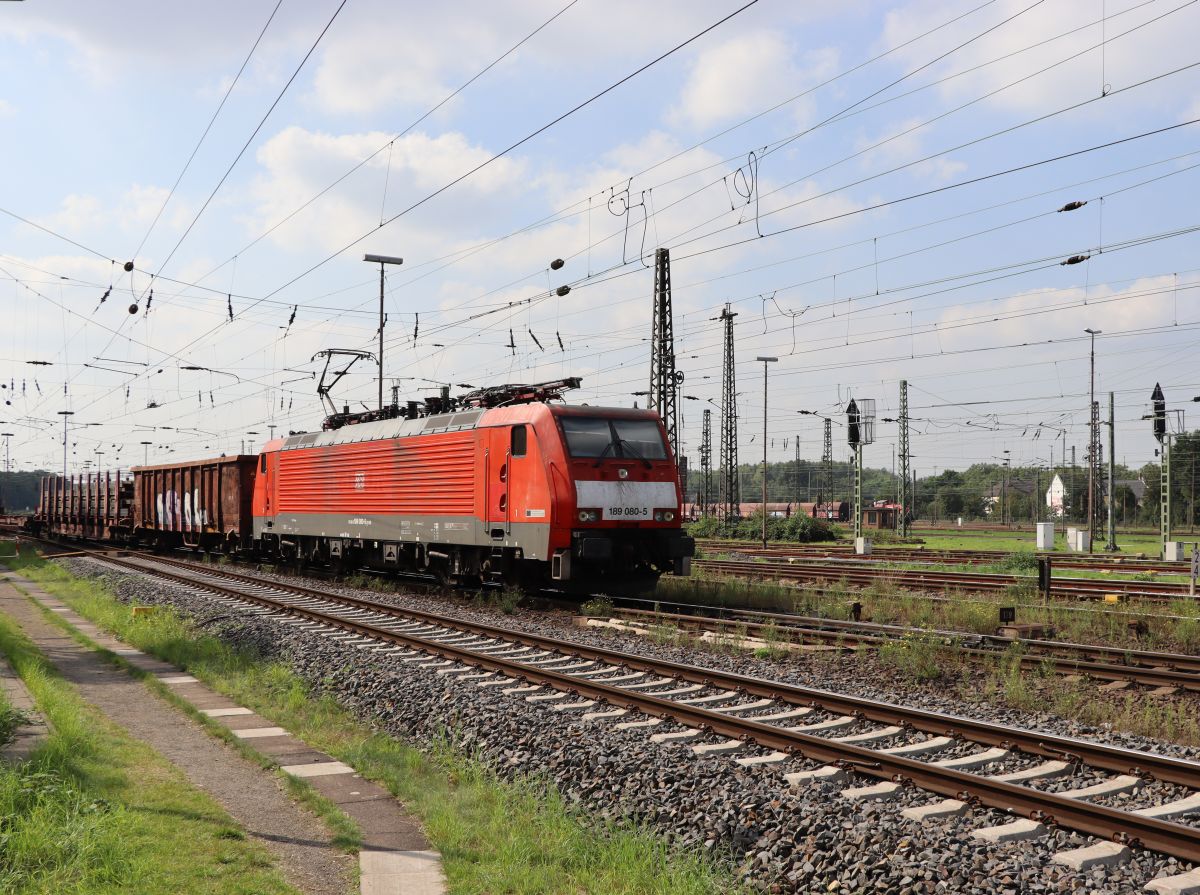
[(95, 811), (948, 539), (917, 656), (495, 836)]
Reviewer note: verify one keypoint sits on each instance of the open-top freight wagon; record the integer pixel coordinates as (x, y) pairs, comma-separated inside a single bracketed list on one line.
[(202, 504)]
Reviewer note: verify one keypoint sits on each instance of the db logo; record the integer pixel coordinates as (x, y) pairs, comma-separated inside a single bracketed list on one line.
[(360, 481)]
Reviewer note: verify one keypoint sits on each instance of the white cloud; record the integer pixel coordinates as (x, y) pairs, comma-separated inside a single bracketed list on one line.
[(298, 163), (6, 108), (1156, 48), (744, 74)]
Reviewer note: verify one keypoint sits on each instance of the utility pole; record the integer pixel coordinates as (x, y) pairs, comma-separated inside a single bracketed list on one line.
[(1072, 478), (905, 508), (65, 414), (765, 361), (799, 493), (1111, 544), (664, 383), (381, 260), (7, 436), (706, 465), (1094, 442), (731, 498)]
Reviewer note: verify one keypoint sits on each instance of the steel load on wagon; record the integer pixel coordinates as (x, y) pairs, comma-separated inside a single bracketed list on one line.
[(93, 505), (201, 503)]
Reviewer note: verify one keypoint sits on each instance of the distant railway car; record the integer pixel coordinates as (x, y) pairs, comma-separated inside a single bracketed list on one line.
[(205, 504), (526, 492), (94, 506)]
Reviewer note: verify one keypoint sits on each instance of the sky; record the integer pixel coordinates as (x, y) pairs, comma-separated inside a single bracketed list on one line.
[(873, 188)]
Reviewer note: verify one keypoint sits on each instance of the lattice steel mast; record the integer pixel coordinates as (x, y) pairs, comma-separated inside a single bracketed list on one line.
[(826, 494), (905, 499), (664, 382), (706, 465), (731, 498)]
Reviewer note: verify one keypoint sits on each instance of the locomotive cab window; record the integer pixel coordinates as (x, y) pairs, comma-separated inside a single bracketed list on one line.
[(262, 462), (597, 438), (519, 441)]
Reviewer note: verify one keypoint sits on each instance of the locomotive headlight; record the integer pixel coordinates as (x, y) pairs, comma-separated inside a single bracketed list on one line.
[(664, 515), (589, 515), (668, 516)]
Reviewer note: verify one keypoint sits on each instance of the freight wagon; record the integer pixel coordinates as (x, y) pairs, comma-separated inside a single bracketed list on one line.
[(92, 506)]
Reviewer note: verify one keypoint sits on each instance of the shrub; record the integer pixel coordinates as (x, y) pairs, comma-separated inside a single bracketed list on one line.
[(601, 607), (1019, 561)]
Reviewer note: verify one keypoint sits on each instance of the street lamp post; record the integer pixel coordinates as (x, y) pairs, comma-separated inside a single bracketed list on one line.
[(7, 468), (146, 452), (65, 414), (1094, 441), (381, 260), (765, 361)]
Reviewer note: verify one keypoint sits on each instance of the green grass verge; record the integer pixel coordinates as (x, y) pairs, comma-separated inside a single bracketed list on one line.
[(95, 811), (495, 836)]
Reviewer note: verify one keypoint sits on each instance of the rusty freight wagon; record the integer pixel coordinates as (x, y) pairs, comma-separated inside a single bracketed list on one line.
[(95, 506), (204, 504)]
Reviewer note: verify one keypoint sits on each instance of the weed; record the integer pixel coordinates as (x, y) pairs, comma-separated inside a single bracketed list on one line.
[(10, 720), (917, 656), (599, 607), (1019, 561)]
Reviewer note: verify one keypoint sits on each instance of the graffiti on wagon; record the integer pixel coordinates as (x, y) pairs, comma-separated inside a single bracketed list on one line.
[(175, 510)]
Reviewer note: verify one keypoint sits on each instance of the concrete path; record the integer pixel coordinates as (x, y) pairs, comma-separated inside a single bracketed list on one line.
[(29, 735), (395, 858)]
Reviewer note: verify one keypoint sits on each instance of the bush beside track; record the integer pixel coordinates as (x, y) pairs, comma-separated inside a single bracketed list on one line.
[(796, 529)]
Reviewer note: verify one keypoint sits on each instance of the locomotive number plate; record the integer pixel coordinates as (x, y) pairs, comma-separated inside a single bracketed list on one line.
[(628, 501)]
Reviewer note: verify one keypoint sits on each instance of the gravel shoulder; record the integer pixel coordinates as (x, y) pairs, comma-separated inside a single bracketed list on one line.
[(783, 840)]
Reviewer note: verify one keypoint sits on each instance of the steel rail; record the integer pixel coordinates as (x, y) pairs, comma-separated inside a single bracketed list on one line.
[(1111, 758), (1149, 659), (1161, 836), (886, 553), (920, 579), (847, 631)]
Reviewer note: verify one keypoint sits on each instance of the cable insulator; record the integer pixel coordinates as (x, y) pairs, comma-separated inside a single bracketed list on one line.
[(133, 308), (128, 266), (1074, 259), (1072, 206), (557, 264), (562, 290)]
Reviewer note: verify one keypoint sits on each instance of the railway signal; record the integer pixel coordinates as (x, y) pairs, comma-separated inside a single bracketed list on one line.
[(860, 430)]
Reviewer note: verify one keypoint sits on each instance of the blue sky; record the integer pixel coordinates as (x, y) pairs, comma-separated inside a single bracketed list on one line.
[(847, 110)]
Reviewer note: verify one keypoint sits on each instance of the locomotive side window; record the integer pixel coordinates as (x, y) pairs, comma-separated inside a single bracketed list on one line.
[(262, 462), (519, 441)]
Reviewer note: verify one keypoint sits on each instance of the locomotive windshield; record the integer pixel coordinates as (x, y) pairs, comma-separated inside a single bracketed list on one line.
[(595, 438)]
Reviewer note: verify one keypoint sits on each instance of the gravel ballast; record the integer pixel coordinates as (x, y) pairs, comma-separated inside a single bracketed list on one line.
[(780, 839)]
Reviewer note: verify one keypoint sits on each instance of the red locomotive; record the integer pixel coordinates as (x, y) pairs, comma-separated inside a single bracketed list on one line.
[(499, 486)]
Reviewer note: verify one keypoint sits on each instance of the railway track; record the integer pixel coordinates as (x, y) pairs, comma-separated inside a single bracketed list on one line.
[(1121, 564), (929, 580), (750, 719), (1104, 663)]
